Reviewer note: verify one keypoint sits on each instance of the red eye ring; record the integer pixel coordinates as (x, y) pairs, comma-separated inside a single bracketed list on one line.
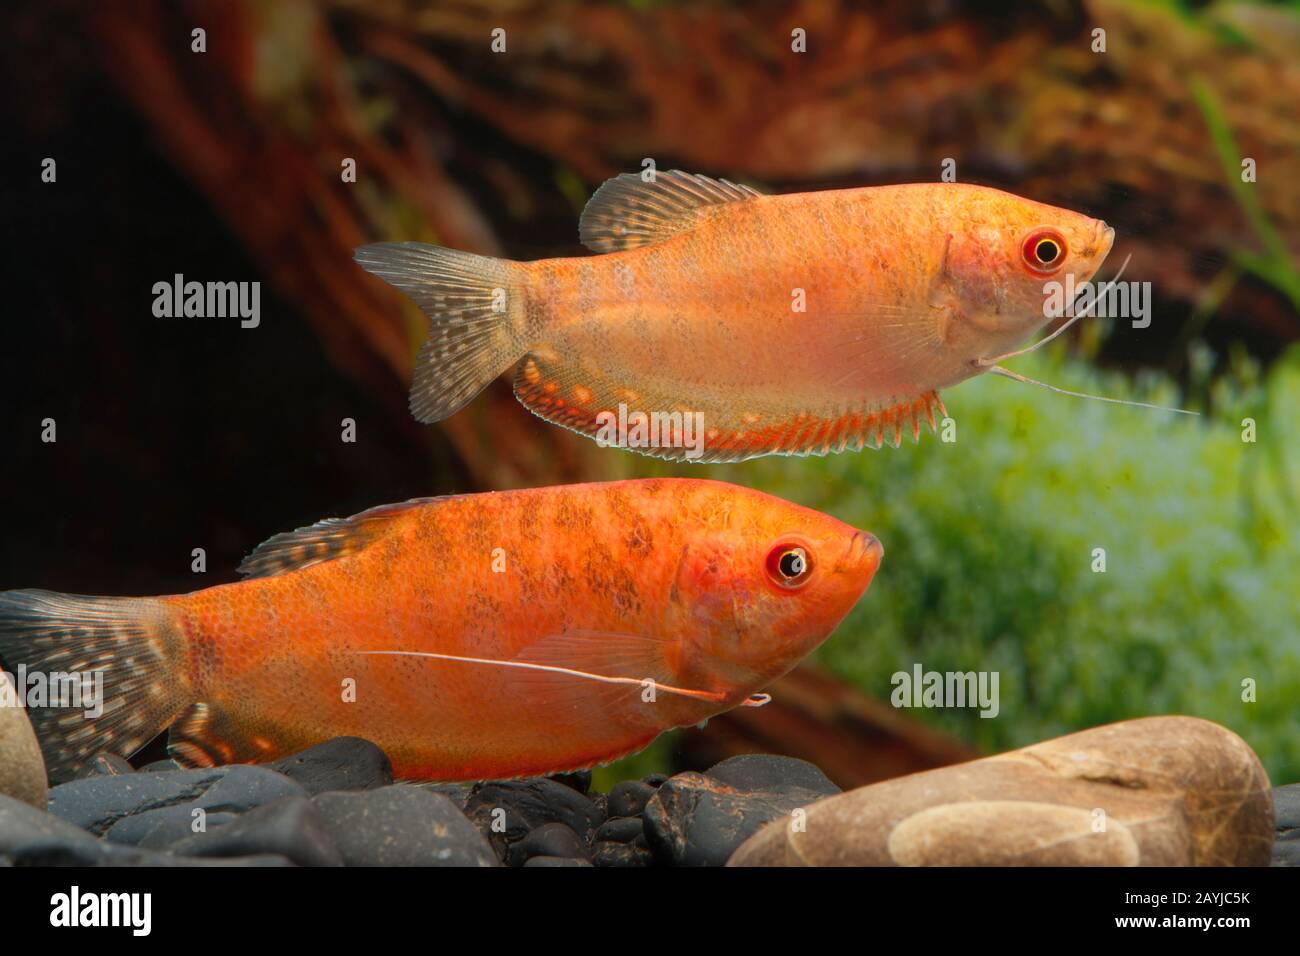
[(1043, 250), (790, 565)]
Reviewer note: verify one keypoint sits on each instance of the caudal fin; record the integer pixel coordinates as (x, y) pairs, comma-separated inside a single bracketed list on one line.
[(97, 673), (470, 300)]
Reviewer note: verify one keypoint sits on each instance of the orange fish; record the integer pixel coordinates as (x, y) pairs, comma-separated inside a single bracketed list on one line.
[(722, 324), (471, 636)]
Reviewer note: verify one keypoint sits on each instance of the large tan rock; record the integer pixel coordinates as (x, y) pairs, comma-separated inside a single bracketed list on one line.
[(22, 768), (1161, 791)]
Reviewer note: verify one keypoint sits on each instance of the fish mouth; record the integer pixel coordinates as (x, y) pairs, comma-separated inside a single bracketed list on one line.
[(1102, 240), (864, 553)]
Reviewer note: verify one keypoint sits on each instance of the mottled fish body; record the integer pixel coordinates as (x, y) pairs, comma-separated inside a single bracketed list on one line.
[(471, 636)]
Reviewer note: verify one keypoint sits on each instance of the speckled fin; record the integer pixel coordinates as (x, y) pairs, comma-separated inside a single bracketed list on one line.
[(808, 433), (588, 403), (468, 300), (627, 211), (323, 541), (105, 669)]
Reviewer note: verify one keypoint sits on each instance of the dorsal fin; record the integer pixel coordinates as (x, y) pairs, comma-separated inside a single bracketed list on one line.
[(323, 541), (627, 211)]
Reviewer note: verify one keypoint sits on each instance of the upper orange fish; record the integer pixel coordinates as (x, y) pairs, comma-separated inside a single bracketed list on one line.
[(724, 324), (473, 636)]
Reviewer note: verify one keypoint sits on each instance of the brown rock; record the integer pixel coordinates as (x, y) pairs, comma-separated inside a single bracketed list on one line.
[(1160, 791), (22, 768)]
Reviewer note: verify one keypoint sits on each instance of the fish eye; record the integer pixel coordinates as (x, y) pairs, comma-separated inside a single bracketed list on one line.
[(789, 565), (1044, 250)]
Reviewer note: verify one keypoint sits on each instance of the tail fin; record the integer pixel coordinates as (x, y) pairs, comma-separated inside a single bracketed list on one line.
[(97, 673), (470, 300)]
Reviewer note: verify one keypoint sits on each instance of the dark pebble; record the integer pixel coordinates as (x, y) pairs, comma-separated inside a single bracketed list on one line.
[(344, 763), (621, 854), (620, 830), (750, 772), (457, 793), (1286, 851), (579, 780), (696, 820), (628, 799), (165, 765), (30, 837), (98, 803), (656, 779), (553, 839), (1286, 818), (106, 765), (555, 861), (402, 826), (291, 827), (505, 811), (159, 829), (1286, 808)]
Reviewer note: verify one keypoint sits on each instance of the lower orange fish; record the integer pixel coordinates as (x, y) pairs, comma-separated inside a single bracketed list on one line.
[(470, 636)]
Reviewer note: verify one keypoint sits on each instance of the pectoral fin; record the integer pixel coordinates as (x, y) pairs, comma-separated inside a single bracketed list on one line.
[(581, 671)]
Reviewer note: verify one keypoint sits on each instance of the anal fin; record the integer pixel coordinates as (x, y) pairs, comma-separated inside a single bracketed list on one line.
[(708, 431), (207, 736)]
